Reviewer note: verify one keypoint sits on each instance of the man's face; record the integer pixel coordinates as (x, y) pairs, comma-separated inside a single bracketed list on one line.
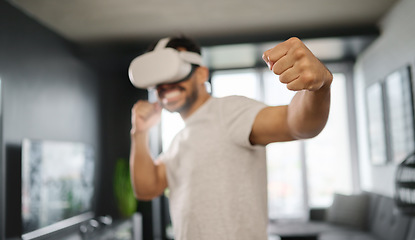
[(178, 97)]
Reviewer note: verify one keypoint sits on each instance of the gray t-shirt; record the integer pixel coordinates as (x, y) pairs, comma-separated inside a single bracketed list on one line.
[(217, 179)]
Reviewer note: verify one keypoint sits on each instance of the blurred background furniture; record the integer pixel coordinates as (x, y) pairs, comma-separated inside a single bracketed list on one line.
[(366, 216)]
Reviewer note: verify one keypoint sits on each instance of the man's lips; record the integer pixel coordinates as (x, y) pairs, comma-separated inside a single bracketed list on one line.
[(171, 95)]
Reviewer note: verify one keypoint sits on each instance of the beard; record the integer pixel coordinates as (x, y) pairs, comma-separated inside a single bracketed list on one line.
[(189, 100)]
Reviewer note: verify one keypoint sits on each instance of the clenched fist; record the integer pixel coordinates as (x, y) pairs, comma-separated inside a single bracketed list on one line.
[(144, 115), (297, 66)]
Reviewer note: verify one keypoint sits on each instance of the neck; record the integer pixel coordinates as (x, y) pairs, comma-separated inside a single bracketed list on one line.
[(196, 105)]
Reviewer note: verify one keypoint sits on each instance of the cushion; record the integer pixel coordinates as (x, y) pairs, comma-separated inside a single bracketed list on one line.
[(389, 223), (347, 235), (349, 210), (411, 233)]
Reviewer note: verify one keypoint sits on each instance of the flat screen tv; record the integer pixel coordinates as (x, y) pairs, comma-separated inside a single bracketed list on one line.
[(57, 186)]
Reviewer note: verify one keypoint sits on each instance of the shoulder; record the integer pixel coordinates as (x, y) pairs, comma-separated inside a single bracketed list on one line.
[(237, 115), (231, 103), (235, 98)]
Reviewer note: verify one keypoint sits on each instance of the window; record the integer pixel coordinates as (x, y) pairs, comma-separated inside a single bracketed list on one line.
[(286, 188), (237, 82), (328, 155), (301, 174), (171, 124)]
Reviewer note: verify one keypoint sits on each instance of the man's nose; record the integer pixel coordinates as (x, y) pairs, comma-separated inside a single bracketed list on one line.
[(165, 86)]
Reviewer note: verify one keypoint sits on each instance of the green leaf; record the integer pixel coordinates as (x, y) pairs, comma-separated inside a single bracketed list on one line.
[(123, 191)]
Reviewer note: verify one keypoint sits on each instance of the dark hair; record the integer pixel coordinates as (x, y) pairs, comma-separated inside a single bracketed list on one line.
[(180, 41)]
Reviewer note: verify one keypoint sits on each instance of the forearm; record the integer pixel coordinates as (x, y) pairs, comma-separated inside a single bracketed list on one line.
[(143, 169), (308, 112)]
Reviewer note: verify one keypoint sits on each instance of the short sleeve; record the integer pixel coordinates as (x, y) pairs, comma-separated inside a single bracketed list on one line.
[(169, 159), (237, 117)]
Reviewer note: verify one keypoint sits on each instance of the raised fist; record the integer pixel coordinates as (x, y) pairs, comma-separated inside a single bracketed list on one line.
[(144, 115), (297, 66)]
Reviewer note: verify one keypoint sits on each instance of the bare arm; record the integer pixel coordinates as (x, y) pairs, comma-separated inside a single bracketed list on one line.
[(308, 111), (148, 177)]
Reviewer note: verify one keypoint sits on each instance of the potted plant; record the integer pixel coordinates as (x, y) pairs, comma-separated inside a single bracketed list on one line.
[(123, 191)]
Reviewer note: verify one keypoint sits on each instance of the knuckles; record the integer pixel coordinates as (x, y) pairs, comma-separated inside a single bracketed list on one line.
[(299, 52), (308, 78), (304, 65), (306, 73), (294, 40), (142, 109)]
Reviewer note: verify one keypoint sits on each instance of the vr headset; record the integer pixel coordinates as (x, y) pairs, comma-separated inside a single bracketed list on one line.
[(162, 65)]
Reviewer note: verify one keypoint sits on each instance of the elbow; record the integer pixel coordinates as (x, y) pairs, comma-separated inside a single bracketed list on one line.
[(307, 133), (303, 136), (148, 185), (145, 193), (144, 197)]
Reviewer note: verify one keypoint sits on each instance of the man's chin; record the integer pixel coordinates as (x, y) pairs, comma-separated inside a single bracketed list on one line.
[(172, 107), (170, 110)]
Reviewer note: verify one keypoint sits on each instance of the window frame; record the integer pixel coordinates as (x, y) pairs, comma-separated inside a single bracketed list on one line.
[(345, 68)]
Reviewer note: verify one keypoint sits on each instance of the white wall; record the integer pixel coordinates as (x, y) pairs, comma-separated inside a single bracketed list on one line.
[(394, 48)]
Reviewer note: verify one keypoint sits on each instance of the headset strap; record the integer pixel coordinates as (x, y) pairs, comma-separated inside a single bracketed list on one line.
[(190, 57), (162, 43)]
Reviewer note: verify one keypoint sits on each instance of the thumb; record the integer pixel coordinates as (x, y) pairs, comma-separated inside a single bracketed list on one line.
[(266, 59)]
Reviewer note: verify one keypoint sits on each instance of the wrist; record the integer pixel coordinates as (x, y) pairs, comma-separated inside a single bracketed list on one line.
[(137, 135), (327, 84), (329, 78)]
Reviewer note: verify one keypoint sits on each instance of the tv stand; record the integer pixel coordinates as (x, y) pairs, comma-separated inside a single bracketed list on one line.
[(119, 230), (127, 229)]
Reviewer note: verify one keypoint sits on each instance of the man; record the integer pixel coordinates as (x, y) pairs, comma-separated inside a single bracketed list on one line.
[(215, 168)]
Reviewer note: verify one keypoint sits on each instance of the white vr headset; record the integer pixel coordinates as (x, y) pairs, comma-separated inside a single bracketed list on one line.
[(162, 65)]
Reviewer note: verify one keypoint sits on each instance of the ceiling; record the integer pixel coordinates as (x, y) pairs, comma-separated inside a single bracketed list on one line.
[(106, 21)]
